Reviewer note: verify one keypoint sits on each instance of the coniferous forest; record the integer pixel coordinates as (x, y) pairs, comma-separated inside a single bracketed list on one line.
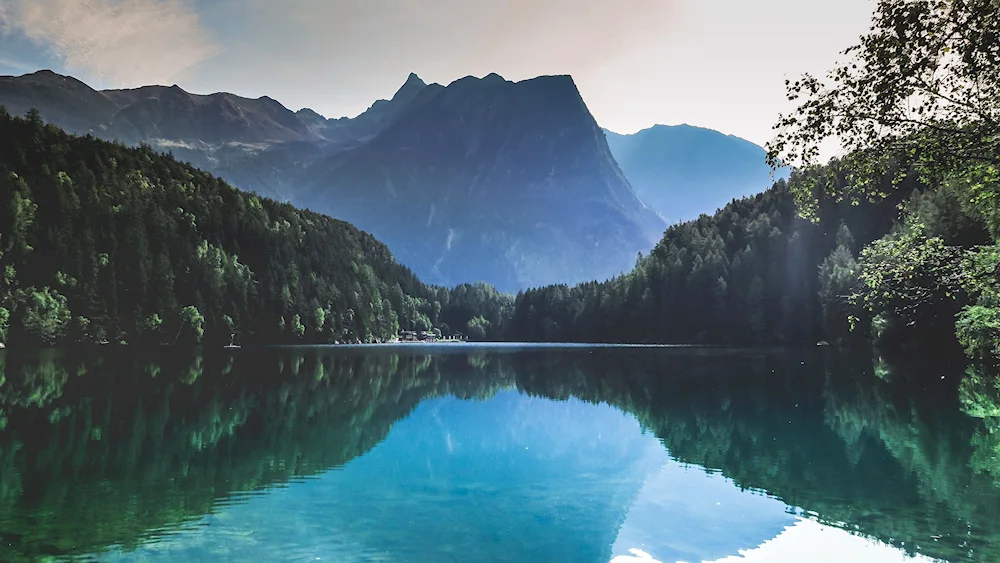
[(896, 241), (753, 273), (105, 243), (918, 265)]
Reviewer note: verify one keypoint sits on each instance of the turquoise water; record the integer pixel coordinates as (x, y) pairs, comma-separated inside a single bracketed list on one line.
[(497, 454)]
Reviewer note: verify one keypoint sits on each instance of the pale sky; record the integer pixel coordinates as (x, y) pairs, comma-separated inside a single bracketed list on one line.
[(713, 63)]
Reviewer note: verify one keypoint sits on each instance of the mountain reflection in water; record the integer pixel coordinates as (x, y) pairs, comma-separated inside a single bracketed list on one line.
[(501, 454)]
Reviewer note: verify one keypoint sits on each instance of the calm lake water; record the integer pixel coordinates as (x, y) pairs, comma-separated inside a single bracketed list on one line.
[(438, 454)]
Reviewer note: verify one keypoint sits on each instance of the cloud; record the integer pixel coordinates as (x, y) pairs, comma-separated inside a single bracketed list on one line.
[(338, 56), (122, 42), (485, 34)]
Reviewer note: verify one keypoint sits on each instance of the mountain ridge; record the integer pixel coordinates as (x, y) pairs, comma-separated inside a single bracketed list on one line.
[(532, 144), (485, 179), (684, 171)]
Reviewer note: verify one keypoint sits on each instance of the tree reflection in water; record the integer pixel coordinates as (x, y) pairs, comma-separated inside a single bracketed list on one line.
[(115, 449)]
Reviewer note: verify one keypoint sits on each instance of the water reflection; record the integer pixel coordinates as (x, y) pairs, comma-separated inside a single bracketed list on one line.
[(439, 455)]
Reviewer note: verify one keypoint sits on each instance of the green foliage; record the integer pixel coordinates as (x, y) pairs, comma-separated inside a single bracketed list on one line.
[(838, 278), (979, 393), (193, 323), (128, 237), (319, 319), (978, 331), (17, 214), (44, 315), (467, 301), (918, 96), (907, 272), (937, 263), (4, 323), (151, 324), (477, 328), (983, 183), (752, 273), (920, 91)]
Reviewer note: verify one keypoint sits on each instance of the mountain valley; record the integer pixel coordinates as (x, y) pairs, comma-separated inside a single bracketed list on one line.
[(511, 183)]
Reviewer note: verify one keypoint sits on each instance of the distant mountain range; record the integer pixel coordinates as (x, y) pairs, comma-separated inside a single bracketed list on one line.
[(511, 181), (683, 171), (256, 144), (484, 179)]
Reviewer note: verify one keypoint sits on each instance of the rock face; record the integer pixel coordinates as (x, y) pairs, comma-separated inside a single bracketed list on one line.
[(684, 171), (481, 180), (511, 183)]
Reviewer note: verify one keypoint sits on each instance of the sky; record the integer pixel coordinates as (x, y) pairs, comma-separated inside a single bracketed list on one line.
[(713, 63)]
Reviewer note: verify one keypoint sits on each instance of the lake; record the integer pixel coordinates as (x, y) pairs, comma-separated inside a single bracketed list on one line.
[(507, 453)]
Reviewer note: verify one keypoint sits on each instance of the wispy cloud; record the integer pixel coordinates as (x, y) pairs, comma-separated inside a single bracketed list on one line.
[(122, 42)]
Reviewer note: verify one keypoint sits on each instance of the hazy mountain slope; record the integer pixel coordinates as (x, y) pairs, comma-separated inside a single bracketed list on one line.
[(170, 113), (62, 100), (257, 144), (485, 179), (684, 171)]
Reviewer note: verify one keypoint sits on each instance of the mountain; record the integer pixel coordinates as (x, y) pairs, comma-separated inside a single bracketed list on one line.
[(481, 180), (365, 126), (102, 242), (172, 114), (256, 144), (62, 100), (511, 182), (683, 171), (152, 114)]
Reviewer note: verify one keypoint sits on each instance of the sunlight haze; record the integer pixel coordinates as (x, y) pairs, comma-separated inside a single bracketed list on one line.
[(717, 63)]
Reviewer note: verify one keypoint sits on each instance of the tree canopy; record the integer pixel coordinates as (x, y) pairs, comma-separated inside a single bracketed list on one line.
[(920, 91)]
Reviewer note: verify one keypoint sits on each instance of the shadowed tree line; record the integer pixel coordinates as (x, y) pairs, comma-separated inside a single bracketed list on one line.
[(755, 272)]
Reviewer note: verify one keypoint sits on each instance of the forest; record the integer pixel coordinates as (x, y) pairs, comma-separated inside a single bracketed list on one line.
[(104, 243), (131, 246), (753, 273), (895, 241)]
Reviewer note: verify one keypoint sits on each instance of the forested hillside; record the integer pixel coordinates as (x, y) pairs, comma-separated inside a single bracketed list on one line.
[(919, 97), (101, 242), (900, 239), (508, 183), (918, 264), (755, 272)]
